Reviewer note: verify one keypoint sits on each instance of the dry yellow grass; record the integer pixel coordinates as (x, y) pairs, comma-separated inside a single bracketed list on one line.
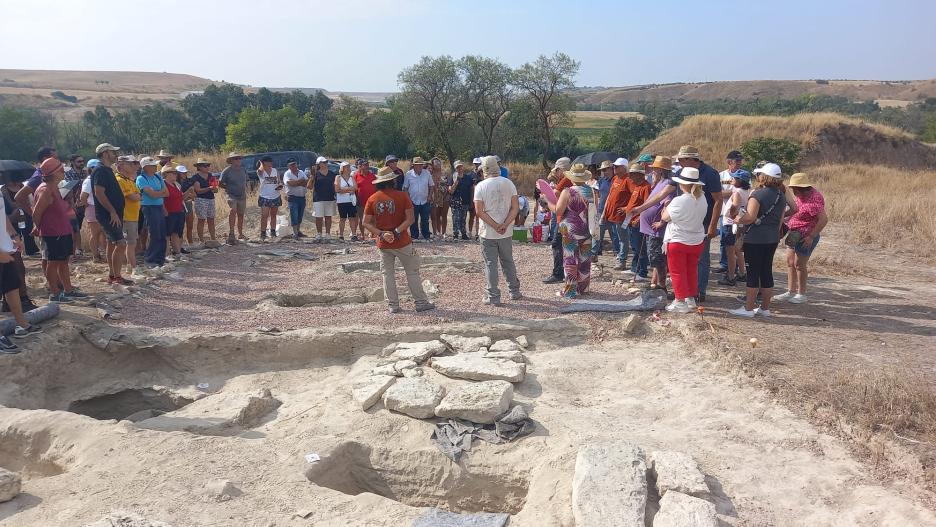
[(882, 206), (598, 119)]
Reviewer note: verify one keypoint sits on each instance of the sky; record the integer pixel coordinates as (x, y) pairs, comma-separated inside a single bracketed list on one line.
[(361, 45)]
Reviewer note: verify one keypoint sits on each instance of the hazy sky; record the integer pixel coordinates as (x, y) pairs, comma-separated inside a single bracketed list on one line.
[(360, 45)]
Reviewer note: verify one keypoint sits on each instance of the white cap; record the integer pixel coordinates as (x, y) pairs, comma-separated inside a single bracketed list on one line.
[(343, 164), (458, 164), (321, 159), (476, 161), (149, 162), (181, 169), (621, 162), (770, 170)]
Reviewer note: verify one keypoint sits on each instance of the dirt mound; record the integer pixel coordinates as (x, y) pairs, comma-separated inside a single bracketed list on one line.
[(825, 138)]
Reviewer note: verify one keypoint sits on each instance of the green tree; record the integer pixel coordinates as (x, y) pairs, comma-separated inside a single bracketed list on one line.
[(21, 133), (257, 131), (386, 132), (929, 133), (547, 82), (212, 111), (629, 135), (783, 152), (346, 128), (490, 92)]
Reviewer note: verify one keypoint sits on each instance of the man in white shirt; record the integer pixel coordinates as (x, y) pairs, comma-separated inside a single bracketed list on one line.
[(496, 204), (735, 160), (296, 181), (418, 184), (270, 200)]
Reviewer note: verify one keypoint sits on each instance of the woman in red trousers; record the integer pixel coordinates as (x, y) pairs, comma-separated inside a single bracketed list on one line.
[(685, 233)]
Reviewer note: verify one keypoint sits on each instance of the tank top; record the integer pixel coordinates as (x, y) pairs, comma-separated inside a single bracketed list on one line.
[(56, 219), (343, 184)]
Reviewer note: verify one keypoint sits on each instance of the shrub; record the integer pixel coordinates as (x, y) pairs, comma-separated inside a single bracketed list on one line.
[(783, 152), (62, 96)]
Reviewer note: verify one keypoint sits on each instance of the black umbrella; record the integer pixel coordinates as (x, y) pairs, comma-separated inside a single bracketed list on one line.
[(595, 158), (13, 170)]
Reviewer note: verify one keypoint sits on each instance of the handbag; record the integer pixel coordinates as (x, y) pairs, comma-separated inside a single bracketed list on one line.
[(760, 217), (793, 238)]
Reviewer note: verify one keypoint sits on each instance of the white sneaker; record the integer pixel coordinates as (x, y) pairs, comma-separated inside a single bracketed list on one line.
[(678, 306), (784, 297), (639, 278), (798, 299), (691, 303), (627, 272), (741, 312), (762, 312)]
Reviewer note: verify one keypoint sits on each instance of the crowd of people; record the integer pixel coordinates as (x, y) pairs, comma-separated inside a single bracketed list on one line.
[(660, 215)]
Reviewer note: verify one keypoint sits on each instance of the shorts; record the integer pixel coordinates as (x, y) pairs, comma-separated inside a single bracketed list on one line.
[(131, 231), (9, 278), (204, 208), (89, 214), (324, 209), (56, 248), (728, 238), (112, 233), (238, 205), (802, 250), (347, 210), (522, 215), (655, 252), (175, 223), (267, 203)]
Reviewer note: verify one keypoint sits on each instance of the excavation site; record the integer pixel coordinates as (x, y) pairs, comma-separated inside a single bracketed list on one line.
[(261, 404)]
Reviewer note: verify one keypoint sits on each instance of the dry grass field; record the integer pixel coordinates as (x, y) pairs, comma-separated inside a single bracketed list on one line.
[(598, 119)]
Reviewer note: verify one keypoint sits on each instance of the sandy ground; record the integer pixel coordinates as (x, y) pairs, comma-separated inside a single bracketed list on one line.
[(768, 464)]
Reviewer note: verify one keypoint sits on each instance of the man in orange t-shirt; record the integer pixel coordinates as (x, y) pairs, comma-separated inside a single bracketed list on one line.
[(616, 208), (388, 214), (640, 190)]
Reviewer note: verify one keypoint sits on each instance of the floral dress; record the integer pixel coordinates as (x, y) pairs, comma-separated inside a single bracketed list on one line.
[(576, 241)]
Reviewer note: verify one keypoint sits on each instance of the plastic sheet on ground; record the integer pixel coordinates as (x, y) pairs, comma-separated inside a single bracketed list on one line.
[(439, 518), (454, 436), (643, 302), (288, 253)]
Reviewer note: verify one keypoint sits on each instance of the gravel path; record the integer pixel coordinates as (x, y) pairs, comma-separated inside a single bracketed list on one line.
[(222, 290)]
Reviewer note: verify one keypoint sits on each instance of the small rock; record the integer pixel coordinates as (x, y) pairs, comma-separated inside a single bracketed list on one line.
[(633, 290), (126, 519), (515, 356), (677, 471), (522, 340), (610, 485), (513, 416), (505, 345), (222, 490), (473, 366), (630, 323), (404, 365), (440, 518), (415, 351), (257, 407), (368, 389), (375, 295), (414, 396), (478, 402), (679, 510), (10, 485), (175, 276), (465, 344), (413, 372), (431, 290), (386, 369), (212, 244)]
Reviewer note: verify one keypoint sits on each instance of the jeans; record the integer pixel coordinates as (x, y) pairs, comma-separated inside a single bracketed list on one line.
[(705, 265), (459, 213), (558, 270), (297, 205), (612, 231), (623, 232), (494, 250), (421, 213), (639, 247), (156, 223), (410, 262), (723, 253)]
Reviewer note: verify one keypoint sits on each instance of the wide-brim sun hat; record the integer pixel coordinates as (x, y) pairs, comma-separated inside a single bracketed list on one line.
[(662, 162), (163, 153), (606, 164), (418, 161), (637, 168), (385, 174), (688, 176), (800, 180), (169, 169), (578, 173)]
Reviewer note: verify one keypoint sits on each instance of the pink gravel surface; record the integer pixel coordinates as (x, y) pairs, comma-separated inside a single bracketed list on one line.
[(220, 292)]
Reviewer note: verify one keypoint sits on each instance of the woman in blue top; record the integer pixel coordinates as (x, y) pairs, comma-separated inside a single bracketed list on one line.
[(153, 189)]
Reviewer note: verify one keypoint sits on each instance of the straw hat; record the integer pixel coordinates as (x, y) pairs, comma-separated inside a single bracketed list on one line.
[(688, 176), (800, 180), (662, 162), (163, 153), (418, 161), (688, 151), (606, 164), (166, 169), (385, 174), (578, 173), (202, 161), (233, 155), (637, 168)]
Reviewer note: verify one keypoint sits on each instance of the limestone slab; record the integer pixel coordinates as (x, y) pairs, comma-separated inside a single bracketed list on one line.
[(609, 488), (475, 367), (505, 345), (418, 352), (677, 471), (515, 356), (367, 390), (465, 344), (478, 402), (10, 485), (681, 510), (414, 396)]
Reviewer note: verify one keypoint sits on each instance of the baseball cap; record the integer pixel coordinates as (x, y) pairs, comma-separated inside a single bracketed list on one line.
[(770, 170), (321, 159), (390, 158), (645, 158), (621, 162), (360, 161), (476, 161), (94, 163), (127, 159), (181, 169), (104, 147), (343, 164), (292, 160), (741, 174), (735, 155), (148, 162)]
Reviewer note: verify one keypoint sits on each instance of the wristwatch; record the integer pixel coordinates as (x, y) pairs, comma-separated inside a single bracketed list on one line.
[(396, 232)]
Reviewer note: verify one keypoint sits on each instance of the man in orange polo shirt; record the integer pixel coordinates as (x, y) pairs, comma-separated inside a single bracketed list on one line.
[(640, 190), (616, 208), (558, 172)]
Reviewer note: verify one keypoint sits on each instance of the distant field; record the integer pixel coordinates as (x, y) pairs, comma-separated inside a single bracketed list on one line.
[(597, 119)]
